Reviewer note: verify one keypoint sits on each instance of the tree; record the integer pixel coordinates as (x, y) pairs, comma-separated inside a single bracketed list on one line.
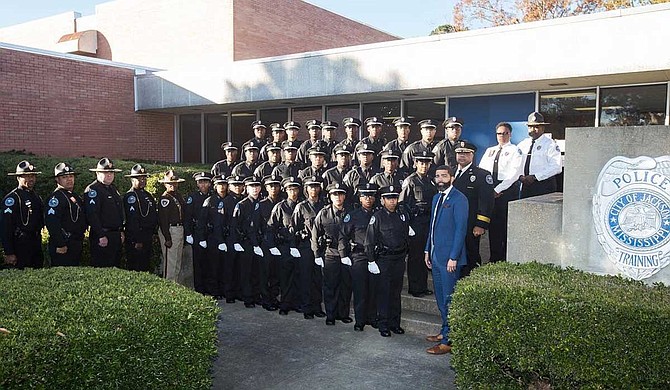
[(443, 29)]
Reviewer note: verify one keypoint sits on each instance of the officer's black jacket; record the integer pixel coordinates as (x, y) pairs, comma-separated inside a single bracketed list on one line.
[(327, 226), (265, 169), (223, 168), (230, 201), (214, 220), (22, 215), (357, 175), (104, 208), (263, 216), (302, 221), (416, 197), (192, 211), (141, 216), (445, 153), (387, 231), (383, 179), (353, 231), (312, 171), (246, 168), (245, 227), (334, 175), (417, 147), (279, 224), (477, 185), (288, 170), (65, 217)]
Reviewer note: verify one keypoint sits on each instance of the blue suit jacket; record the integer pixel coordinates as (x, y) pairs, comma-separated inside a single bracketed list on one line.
[(450, 229)]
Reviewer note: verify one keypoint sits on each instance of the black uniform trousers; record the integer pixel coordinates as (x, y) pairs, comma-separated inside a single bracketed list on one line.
[(213, 272), (336, 287), (268, 270), (545, 186), (248, 276), (71, 258), (472, 251), (288, 279), (389, 286), (109, 256), (137, 259), (417, 272), (363, 284), (311, 282), (231, 272), (28, 251), (199, 266), (498, 225)]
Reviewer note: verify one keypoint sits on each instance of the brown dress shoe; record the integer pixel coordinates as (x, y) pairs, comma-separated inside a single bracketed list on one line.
[(435, 339), (439, 349)]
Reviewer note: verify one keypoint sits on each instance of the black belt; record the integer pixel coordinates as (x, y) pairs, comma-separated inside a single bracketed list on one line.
[(112, 230), (393, 252), (176, 224)]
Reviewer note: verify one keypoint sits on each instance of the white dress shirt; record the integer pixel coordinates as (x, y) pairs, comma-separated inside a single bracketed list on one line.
[(509, 165), (545, 161)]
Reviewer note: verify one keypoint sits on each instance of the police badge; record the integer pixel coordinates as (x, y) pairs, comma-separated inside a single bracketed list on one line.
[(631, 214)]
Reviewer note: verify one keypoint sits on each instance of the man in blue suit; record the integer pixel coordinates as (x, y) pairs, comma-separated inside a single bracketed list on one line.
[(445, 251)]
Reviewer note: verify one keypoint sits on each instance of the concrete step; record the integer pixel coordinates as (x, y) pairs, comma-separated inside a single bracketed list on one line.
[(425, 304), (420, 323)]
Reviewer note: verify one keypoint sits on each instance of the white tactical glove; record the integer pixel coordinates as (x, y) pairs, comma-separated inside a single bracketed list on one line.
[(223, 247), (258, 251), (319, 261), (346, 261), (203, 244), (295, 252), (189, 239), (238, 248), (373, 268), (275, 252), (412, 233)]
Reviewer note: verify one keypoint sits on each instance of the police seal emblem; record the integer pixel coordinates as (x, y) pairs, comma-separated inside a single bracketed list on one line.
[(9, 202), (53, 202), (132, 199), (631, 214)]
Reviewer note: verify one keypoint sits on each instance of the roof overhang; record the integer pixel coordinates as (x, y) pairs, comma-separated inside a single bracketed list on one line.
[(83, 42)]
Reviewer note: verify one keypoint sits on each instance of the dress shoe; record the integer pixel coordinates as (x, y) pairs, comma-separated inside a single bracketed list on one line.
[(230, 300), (320, 314), (358, 327), (249, 305), (397, 330), (434, 339), (385, 333), (308, 316), (283, 312), (372, 324), (418, 294), (439, 349), (298, 310), (218, 297), (270, 307), (346, 320), (330, 321), (428, 292)]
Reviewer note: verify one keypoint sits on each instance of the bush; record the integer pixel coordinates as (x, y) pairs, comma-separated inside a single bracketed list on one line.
[(540, 326), (97, 328)]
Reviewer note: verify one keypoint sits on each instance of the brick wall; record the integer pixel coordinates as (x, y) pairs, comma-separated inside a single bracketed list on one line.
[(62, 107), (265, 28)]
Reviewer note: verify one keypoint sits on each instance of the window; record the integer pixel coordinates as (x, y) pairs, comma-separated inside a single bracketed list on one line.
[(241, 125), (568, 109), (216, 133), (387, 112), (633, 106), (304, 114), (279, 115), (189, 132), (338, 113), (418, 110)]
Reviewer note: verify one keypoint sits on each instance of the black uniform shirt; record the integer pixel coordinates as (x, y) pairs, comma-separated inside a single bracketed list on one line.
[(224, 168), (388, 231), (141, 215), (477, 185), (352, 237), (302, 221), (245, 228), (22, 214), (416, 197), (279, 224), (326, 231), (287, 170), (104, 208), (192, 211), (65, 217), (214, 220)]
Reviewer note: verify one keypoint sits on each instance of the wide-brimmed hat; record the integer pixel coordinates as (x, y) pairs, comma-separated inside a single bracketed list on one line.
[(24, 168), (171, 177), (137, 170), (105, 165), (536, 119), (63, 168)]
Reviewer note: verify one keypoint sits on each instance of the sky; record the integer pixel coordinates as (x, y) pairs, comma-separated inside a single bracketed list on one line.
[(392, 16)]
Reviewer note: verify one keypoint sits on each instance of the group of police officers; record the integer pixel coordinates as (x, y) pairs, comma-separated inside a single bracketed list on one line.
[(291, 225)]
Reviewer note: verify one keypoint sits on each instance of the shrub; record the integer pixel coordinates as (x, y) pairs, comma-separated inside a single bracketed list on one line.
[(540, 326), (97, 328)]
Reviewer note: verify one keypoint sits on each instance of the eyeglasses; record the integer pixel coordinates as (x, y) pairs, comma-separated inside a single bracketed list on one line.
[(505, 133)]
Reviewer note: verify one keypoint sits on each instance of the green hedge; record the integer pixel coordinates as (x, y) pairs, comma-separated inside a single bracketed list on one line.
[(85, 328), (540, 326)]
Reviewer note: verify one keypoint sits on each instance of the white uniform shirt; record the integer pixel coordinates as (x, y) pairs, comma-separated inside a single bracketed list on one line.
[(509, 165), (546, 158)]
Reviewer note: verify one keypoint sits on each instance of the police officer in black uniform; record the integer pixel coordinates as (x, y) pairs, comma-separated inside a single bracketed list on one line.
[(65, 219), (425, 144), (224, 168), (273, 159), (280, 239), (336, 271), (269, 262), (278, 137), (104, 211), (258, 139), (250, 163), (141, 221), (290, 167), (374, 140), (416, 197), (317, 156), (313, 129), (213, 223), (362, 173), (196, 239), (391, 176), (23, 220), (231, 265), (351, 128), (327, 129), (386, 244), (351, 246), (444, 150), (336, 173), (302, 223), (477, 185), (403, 128)]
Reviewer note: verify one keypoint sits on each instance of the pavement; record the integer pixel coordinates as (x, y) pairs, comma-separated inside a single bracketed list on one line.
[(263, 350)]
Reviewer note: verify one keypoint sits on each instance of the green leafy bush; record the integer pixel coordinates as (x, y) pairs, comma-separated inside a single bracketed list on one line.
[(540, 326), (86, 328)]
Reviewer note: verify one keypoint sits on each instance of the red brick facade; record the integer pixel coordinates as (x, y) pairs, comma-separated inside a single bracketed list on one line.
[(266, 28), (62, 107)]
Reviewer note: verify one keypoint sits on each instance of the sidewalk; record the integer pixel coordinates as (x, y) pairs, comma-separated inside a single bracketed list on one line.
[(263, 350)]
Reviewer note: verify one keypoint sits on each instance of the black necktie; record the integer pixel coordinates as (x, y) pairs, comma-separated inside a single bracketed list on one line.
[(495, 164), (459, 173), (526, 168)]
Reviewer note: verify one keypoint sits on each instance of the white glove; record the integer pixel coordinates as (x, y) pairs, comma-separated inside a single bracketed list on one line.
[(258, 251), (295, 252), (238, 248), (373, 268), (189, 239), (412, 233), (203, 244), (223, 247), (275, 252), (319, 261), (346, 261)]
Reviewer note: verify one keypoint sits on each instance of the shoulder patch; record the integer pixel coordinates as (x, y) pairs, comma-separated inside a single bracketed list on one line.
[(9, 202), (92, 193), (165, 202), (372, 220), (132, 199), (189, 200), (347, 218), (53, 202), (220, 205), (489, 179)]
